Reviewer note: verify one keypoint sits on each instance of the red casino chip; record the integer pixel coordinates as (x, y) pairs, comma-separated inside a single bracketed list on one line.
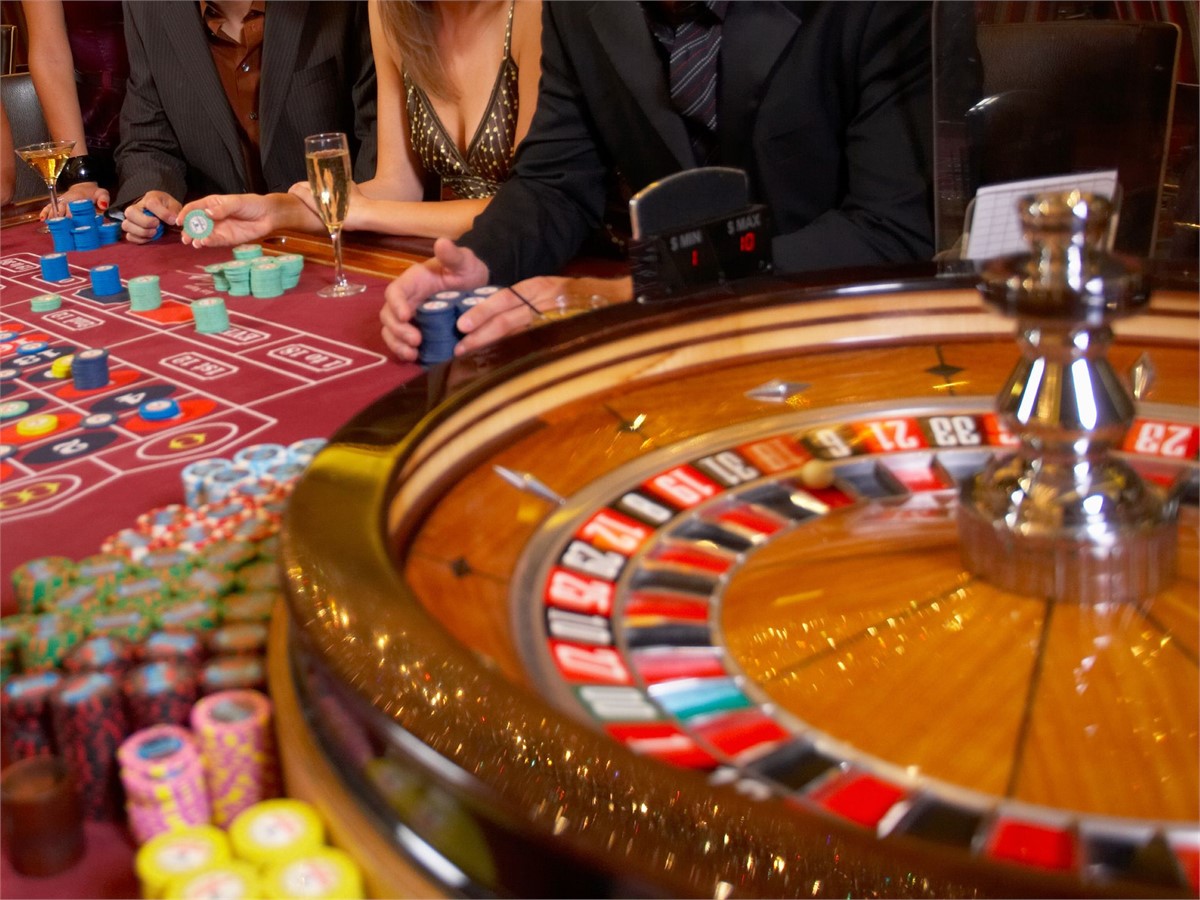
[(160, 693), (89, 725)]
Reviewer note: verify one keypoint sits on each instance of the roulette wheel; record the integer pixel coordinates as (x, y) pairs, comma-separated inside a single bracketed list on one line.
[(672, 601)]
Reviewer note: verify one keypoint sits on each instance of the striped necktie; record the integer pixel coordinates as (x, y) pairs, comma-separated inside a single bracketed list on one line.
[(692, 73)]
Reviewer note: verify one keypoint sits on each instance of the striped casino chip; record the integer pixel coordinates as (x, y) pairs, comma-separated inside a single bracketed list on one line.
[(184, 852), (323, 873), (160, 693), (89, 725), (25, 714), (276, 830), (163, 775), (237, 744)]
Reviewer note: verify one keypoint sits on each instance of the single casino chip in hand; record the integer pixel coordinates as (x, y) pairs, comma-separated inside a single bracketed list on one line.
[(197, 224)]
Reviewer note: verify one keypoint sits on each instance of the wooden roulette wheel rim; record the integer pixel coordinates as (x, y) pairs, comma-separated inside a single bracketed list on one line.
[(427, 623)]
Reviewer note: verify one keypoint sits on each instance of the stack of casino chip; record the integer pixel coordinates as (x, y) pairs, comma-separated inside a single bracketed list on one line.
[(233, 673), (237, 277), (62, 233), (220, 280), (86, 235), (61, 367), (277, 830), (259, 458), (210, 315), (25, 714), (110, 233), (247, 251), (234, 733), (292, 265), (159, 693), (37, 580), (435, 318), (128, 621), (322, 873), (107, 654), (177, 854), (144, 293), (185, 648), (54, 267), (81, 598), (82, 211), (89, 726), (266, 279), (50, 638), (89, 369), (45, 303), (163, 775), (12, 635), (106, 280)]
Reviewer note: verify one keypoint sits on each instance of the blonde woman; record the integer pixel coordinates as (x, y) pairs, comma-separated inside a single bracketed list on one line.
[(457, 87)]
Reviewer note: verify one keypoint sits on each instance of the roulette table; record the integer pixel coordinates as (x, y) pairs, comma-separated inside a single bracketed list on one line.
[(266, 379), (669, 600)]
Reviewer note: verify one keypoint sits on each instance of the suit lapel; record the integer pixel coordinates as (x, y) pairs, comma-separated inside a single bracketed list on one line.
[(186, 33), (755, 34), (622, 32), (281, 43)]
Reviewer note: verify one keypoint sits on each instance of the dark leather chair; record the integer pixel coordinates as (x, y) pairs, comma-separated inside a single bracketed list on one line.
[(1077, 96), (28, 127)]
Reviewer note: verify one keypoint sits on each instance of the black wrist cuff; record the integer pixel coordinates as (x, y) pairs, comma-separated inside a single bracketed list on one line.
[(77, 169)]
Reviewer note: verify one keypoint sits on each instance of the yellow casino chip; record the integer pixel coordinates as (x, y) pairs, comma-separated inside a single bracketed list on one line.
[(276, 830), (174, 854), (324, 873)]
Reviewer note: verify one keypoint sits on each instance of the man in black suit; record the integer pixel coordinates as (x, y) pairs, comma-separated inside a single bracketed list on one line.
[(827, 106), (222, 94)]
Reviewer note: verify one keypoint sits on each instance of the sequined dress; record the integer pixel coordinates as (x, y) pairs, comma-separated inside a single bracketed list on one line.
[(488, 158)]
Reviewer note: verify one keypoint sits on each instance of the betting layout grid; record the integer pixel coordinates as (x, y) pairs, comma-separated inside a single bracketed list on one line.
[(225, 389)]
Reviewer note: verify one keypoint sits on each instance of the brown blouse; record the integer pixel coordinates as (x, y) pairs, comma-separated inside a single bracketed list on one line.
[(488, 157)]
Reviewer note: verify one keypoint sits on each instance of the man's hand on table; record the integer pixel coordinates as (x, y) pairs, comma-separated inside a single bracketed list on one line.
[(455, 268), (452, 268), (143, 216)]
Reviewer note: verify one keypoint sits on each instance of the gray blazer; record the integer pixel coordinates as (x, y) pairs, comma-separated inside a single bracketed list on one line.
[(177, 131)]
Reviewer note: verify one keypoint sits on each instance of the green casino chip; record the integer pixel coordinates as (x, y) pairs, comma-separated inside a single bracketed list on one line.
[(45, 302), (197, 224)]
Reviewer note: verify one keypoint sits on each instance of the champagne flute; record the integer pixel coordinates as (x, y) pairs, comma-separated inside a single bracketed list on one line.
[(327, 158), (48, 159)]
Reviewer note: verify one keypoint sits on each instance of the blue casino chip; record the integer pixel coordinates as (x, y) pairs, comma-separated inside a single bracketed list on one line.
[(159, 410), (31, 347)]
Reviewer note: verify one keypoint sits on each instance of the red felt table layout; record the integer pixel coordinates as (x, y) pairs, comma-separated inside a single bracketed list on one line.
[(288, 368)]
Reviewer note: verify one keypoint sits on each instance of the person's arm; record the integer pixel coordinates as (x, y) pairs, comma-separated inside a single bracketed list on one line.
[(149, 157), (52, 68)]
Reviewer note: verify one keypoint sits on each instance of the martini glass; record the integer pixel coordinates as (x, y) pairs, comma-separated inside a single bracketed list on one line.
[(327, 159), (48, 159)]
